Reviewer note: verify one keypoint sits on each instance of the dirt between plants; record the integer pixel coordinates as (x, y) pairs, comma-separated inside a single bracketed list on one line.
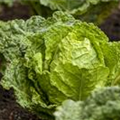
[(17, 11), (111, 26), (9, 109)]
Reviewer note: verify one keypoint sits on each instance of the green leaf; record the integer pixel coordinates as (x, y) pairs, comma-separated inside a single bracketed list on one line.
[(111, 53), (87, 10), (69, 110), (103, 104)]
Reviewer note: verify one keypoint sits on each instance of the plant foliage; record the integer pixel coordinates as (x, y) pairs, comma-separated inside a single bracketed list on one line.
[(47, 61), (103, 104), (87, 10)]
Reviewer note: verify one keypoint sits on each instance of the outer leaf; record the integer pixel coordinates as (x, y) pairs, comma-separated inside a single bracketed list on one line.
[(27, 94), (70, 110), (112, 60)]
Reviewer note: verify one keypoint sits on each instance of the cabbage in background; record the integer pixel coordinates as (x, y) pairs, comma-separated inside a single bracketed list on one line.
[(86, 10), (95, 11)]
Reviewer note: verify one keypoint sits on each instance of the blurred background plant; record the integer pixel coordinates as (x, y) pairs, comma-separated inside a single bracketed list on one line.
[(7, 2), (104, 13), (86, 10)]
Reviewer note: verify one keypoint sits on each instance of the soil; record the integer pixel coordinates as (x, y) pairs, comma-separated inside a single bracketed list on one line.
[(9, 109), (17, 11), (111, 26)]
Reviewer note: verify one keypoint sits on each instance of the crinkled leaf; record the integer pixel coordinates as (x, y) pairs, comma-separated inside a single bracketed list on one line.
[(70, 110), (111, 53), (103, 104)]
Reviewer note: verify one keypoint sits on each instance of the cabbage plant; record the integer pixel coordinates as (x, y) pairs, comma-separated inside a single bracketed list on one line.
[(86, 10), (47, 61)]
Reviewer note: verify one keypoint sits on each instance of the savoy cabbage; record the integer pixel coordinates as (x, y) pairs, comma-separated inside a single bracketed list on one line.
[(47, 61), (87, 10)]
